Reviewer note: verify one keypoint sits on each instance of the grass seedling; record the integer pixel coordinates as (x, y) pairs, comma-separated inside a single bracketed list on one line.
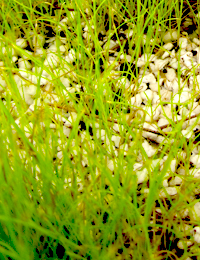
[(66, 192)]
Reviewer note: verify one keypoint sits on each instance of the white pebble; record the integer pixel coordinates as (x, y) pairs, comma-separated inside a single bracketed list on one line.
[(136, 100), (169, 190), (51, 60), (22, 43), (165, 183), (150, 78), (198, 15), (110, 165), (116, 140), (147, 95), (195, 173), (160, 64), (154, 86), (173, 165), (123, 82), (174, 63), (24, 64), (32, 90), (197, 238), (142, 87), (182, 42), (38, 40), (171, 74), (168, 46), (142, 176), (197, 41), (169, 36), (165, 55), (196, 213), (163, 121), (183, 96), (65, 82), (60, 155), (195, 159), (156, 99), (184, 244), (195, 230), (165, 95), (176, 181), (157, 138), (150, 151), (109, 45), (174, 35), (167, 111), (187, 133)]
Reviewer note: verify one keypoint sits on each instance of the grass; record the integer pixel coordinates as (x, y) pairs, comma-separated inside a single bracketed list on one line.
[(70, 205)]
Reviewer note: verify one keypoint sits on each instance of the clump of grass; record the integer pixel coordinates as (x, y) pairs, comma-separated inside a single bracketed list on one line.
[(58, 207)]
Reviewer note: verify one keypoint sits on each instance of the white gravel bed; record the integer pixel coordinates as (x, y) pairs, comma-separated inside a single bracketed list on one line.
[(158, 98)]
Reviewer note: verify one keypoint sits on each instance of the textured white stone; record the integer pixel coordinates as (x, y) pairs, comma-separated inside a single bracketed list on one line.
[(65, 82), (171, 74), (182, 42), (196, 213), (183, 96), (176, 181), (154, 87), (187, 133), (174, 63), (150, 78), (156, 99), (197, 41), (140, 62), (147, 95), (173, 165), (165, 95), (110, 165), (195, 173), (136, 100), (170, 36), (32, 90), (142, 176), (168, 46), (21, 42), (38, 40), (142, 87), (197, 238), (160, 64), (150, 150), (165, 183), (72, 56), (167, 37), (198, 15), (195, 159), (24, 64), (195, 230), (110, 44), (116, 139), (137, 166), (167, 111), (165, 55), (182, 244), (186, 57), (51, 60), (163, 121), (169, 190)]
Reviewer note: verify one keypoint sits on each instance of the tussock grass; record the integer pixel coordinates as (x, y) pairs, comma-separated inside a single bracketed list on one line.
[(103, 216)]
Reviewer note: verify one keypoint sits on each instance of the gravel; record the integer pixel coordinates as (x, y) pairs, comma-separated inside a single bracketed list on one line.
[(158, 98)]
